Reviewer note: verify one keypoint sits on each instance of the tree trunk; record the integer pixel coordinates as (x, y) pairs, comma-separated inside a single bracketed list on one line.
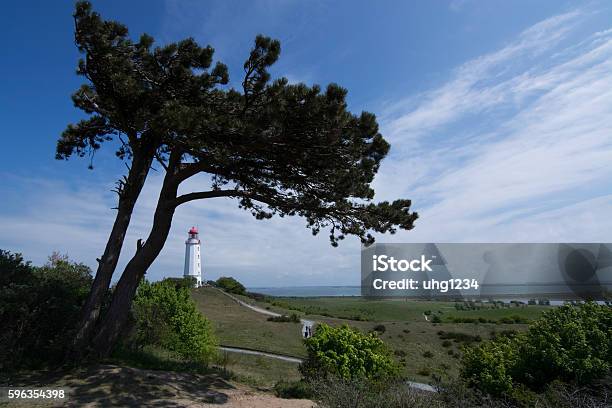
[(108, 262), (118, 312)]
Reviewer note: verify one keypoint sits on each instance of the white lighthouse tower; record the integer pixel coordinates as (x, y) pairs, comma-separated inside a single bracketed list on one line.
[(193, 261)]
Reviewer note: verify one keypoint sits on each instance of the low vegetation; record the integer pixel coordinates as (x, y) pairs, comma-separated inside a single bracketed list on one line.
[(238, 326), (347, 353), (562, 359), (361, 309), (230, 285), (39, 307), (292, 318), (293, 389), (362, 393), (166, 316), (570, 343)]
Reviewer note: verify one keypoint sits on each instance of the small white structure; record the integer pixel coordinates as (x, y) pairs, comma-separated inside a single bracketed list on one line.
[(193, 261), (307, 327)]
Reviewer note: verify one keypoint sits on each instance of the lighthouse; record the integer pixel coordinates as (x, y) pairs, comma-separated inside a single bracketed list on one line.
[(193, 261)]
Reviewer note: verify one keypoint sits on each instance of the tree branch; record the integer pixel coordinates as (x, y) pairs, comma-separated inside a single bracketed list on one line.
[(201, 195), (161, 161)]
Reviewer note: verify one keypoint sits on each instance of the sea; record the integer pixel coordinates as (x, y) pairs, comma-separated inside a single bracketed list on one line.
[(308, 291), (556, 294)]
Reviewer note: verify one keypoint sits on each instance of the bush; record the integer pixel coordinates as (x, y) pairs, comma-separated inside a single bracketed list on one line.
[(572, 343), (360, 393), (292, 318), (260, 297), (39, 308), (459, 337), (337, 393), (436, 319), (347, 353), (166, 316), (428, 354), (231, 285), (425, 372), (379, 328), (488, 366), (293, 389)]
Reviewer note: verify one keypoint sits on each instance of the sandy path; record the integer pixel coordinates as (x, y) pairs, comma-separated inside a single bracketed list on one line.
[(116, 386)]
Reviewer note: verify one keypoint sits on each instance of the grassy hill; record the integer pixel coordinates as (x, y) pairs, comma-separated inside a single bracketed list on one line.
[(238, 326), (422, 348)]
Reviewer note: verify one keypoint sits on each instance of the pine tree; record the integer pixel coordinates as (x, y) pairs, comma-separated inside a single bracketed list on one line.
[(276, 148)]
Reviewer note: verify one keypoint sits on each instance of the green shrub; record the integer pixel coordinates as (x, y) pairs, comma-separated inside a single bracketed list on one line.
[(360, 393), (293, 389), (428, 354), (292, 318), (572, 343), (39, 308), (379, 328), (488, 366), (347, 353), (425, 372), (231, 285), (166, 316), (459, 337)]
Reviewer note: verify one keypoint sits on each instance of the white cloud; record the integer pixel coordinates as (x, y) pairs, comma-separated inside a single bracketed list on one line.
[(477, 85), (512, 137)]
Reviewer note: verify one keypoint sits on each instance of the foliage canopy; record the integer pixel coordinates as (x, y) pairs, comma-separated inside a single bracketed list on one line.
[(39, 307), (347, 353), (231, 285), (166, 316), (569, 343)]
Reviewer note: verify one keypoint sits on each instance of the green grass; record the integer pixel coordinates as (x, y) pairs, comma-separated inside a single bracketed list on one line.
[(248, 369), (407, 333), (258, 370), (357, 308), (155, 358), (238, 326)]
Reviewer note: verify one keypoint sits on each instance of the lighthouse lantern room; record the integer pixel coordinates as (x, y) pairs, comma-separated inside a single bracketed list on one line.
[(193, 261)]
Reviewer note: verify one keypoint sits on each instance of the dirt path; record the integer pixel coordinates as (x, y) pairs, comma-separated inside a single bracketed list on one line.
[(261, 353), (252, 307), (116, 386)]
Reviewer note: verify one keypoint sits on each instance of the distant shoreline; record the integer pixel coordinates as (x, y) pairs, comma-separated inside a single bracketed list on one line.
[(355, 291)]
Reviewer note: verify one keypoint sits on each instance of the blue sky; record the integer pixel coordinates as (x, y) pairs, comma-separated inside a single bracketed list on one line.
[(499, 115)]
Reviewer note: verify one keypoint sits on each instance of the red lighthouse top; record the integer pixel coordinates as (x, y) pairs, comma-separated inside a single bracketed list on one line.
[(193, 230)]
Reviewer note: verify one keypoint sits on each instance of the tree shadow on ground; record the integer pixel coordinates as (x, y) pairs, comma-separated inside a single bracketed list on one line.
[(111, 385)]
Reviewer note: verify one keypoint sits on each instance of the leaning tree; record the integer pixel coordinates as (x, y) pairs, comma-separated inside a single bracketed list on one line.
[(276, 148), (131, 95)]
